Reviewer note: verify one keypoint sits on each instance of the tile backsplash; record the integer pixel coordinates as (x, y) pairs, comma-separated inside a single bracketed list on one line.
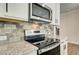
[(15, 32)]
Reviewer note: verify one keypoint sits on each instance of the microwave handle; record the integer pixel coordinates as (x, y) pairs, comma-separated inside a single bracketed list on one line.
[(51, 15)]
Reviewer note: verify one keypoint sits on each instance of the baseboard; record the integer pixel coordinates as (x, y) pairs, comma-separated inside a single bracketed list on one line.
[(77, 43)]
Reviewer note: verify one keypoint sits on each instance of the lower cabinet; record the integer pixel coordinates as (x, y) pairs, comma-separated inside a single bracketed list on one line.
[(64, 47)]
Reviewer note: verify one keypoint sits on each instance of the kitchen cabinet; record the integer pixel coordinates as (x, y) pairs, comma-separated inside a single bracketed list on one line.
[(2, 9), (57, 14), (63, 46), (17, 11)]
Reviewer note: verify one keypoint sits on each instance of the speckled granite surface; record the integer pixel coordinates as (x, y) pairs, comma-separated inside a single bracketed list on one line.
[(14, 44), (18, 48)]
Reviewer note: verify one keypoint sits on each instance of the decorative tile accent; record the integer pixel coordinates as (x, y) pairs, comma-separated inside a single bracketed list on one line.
[(14, 35)]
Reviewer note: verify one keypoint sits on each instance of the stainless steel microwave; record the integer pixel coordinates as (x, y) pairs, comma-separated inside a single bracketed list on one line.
[(40, 12)]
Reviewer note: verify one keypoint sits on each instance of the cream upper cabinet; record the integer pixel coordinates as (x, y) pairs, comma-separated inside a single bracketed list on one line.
[(57, 14), (17, 11), (2, 9)]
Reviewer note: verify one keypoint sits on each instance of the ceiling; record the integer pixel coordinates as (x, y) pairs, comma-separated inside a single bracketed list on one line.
[(65, 7)]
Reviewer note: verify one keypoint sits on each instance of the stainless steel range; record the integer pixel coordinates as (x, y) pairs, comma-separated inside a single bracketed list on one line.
[(37, 38)]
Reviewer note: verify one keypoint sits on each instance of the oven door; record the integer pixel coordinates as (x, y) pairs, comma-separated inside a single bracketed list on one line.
[(35, 38)]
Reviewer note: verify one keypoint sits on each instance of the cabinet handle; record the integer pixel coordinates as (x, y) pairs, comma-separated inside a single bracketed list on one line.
[(6, 7)]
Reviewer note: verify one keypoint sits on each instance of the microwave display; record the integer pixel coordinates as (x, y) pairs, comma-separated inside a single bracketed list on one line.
[(40, 11)]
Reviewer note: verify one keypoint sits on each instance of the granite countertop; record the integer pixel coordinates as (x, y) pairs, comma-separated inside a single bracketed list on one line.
[(18, 48)]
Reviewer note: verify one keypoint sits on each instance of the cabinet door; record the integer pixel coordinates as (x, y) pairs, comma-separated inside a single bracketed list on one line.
[(18, 11), (63, 48), (57, 14), (2, 9)]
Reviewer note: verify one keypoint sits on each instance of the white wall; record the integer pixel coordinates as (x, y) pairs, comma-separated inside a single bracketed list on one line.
[(69, 24)]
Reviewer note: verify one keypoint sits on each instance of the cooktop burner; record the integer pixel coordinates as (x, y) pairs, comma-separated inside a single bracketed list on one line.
[(46, 43)]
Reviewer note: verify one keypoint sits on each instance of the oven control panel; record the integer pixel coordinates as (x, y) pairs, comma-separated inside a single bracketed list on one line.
[(34, 32), (34, 36)]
